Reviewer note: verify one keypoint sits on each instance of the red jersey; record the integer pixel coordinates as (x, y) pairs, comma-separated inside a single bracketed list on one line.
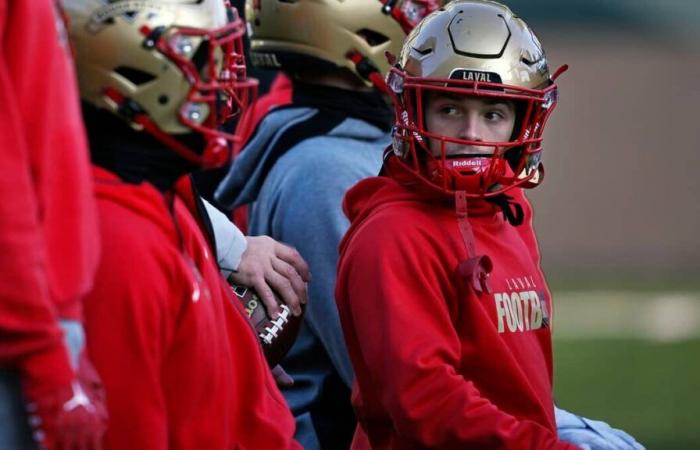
[(438, 365), (181, 365), (48, 226)]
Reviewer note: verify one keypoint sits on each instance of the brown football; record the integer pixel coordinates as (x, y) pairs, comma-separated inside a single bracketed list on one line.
[(275, 336)]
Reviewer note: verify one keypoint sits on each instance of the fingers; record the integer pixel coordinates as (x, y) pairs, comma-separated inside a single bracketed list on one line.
[(285, 290), (293, 258), (260, 284), (282, 377), (269, 266), (295, 279)]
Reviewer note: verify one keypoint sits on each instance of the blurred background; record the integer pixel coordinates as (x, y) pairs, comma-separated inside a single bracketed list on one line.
[(618, 215)]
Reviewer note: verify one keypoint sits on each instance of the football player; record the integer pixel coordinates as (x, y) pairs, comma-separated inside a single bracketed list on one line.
[(304, 156), (444, 307), (180, 363)]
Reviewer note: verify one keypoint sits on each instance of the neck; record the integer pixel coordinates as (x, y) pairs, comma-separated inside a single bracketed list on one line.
[(133, 155)]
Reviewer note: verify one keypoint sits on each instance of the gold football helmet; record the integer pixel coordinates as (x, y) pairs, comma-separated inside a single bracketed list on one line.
[(167, 67), (481, 49), (291, 34)]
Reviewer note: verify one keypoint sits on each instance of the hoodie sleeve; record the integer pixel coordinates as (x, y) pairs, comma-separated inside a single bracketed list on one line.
[(230, 242), (392, 297)]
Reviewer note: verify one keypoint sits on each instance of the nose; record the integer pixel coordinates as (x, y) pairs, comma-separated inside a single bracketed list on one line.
[(470, 130)]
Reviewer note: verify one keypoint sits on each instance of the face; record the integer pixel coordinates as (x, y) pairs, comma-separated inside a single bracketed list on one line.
[(467, 118)]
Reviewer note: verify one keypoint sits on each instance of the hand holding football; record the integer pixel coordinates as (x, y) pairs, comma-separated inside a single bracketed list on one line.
[(275, 335)]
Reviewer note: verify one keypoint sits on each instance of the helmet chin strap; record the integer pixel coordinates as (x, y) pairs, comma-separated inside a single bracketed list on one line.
[(368, 71), (512, 211)]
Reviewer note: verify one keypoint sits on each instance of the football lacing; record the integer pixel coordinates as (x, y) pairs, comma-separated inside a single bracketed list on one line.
[(277, 325)]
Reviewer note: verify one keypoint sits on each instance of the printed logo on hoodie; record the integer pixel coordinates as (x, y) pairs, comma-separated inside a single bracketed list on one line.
[(522, 308)]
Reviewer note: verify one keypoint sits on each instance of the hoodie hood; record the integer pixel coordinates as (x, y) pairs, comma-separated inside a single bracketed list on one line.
[(398, 185), (367, 197), (316, 111)]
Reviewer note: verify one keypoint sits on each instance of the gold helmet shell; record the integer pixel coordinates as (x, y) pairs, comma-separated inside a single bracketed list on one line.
[(476, 36), (169, 67), (288, 34), (476, 48)]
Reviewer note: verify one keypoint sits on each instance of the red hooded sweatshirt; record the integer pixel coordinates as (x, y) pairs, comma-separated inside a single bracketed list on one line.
[(181, 365), (439, 365), (48, 224)]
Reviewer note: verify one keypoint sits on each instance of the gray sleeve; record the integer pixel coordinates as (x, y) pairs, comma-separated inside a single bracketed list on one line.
[(230, 242)]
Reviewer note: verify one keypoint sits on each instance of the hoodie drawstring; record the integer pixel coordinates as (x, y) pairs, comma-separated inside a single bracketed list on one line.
[(476, 268)]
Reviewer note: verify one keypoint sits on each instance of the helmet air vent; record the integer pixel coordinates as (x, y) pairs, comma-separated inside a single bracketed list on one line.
[(134, 76), (373, 38)]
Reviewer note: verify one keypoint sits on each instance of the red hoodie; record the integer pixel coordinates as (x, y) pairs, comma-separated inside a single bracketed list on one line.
[(181, 365), (48, 225), (438, 365)]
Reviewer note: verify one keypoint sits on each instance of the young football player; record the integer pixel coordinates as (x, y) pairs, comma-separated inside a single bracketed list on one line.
[(302, 158), (445, 310), (181, 364)]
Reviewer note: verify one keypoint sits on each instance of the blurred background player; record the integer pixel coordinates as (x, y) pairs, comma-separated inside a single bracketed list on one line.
[(49, 242), (302, 158), (181, 364), (456, 351)]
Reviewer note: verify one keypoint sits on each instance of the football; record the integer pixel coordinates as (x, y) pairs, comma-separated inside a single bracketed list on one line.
[(276, 336)]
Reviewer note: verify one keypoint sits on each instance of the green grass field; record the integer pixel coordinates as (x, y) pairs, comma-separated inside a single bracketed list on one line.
[(633, 360), (649, 389)]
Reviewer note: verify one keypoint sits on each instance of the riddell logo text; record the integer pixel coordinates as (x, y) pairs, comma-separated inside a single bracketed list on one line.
[(520, 311), (467, 163)]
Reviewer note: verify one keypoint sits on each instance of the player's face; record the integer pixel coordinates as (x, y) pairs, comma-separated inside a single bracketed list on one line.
[(467, 118)]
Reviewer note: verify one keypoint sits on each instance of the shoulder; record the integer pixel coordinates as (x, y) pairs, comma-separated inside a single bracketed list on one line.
[(401, 229), (397, 254), (136, 229), (119, 222), (328, 163)]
